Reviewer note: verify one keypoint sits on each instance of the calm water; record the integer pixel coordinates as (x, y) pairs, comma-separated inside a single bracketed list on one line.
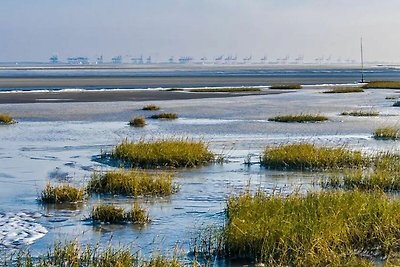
[(59, 142)]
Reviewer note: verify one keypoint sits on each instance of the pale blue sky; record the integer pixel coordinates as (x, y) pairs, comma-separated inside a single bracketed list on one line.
[(36, 29)]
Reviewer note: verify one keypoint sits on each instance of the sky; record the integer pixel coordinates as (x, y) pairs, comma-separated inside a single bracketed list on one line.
[(33, 30)]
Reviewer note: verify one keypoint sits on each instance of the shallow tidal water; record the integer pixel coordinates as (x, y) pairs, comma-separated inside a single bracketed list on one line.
[(60, 142)]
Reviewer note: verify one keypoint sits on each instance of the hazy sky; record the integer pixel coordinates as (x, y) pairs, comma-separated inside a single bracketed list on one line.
[(36, 29)]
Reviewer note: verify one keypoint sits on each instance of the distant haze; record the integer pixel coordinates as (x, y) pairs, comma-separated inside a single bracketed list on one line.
[(36, 29)]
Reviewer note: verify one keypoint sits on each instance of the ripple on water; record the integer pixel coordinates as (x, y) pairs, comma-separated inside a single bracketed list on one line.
[(19, 229)]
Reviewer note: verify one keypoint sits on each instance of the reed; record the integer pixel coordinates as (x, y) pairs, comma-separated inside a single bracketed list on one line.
[(64, 193), (71, 254), (299, 118), (163, 153), (310, 157), (286, 86), (104, 213), (137, 122), (6, 118), (387, 133), (226, 90), (165, 116), (151, 107), (319, 229), (344, 90), (132, 183), (382, 85), (360, 113)]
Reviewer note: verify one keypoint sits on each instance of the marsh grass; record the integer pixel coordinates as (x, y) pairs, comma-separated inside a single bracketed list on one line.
[(71, 254), (311, 157), (387, 133), (382, 85), (64, 193), (376, 178), (226, 90), (396, 104), (165, 116), (151, 107), (163, 153), (133, 183), (6, 118), (105, 213), (286, 86), (344, 90), (360, 113), (299, 118), (319, 229), (137, 122)]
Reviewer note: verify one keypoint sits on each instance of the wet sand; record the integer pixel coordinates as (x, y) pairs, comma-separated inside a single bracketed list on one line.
[(114, 96)]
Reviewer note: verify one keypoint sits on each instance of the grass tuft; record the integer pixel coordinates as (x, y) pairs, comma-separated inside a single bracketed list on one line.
[(226, 90), (104, 213), (137, 122), (396, 104), (132, 183), (62, 194), (163, 153), (151, 107), (6, 118), (382, 85), (299, 118), (286, 86), (309, 156), (387, 133), (344, 90), (319, 229), (165, 116), (360, 113)]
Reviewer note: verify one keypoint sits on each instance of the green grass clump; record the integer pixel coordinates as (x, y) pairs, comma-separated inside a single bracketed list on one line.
[(299, 118), (71, 254), (286, 86), (319, 229), (387, 133), (6, 118), (382, 85), (360, 113), (384, 174), (165, 116), (309, 156), (163, 153), (115, 215), (344, 90), (62, 194), (132, 183), (226, 90), (137, 122), (151, 107)]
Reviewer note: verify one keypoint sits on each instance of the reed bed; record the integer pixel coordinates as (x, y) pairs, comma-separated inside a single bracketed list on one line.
[(71, 254), (319, 229), (104, 213), (382, 85), (132, 183), (165, 116), (151, 107), (360, 113), (286, 86), (64, 193), (311, 157), (226, 90), (387, 133), (384, 174), (163, 153), (6, 118), (344, 90), (299, 118), (138, 122)]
